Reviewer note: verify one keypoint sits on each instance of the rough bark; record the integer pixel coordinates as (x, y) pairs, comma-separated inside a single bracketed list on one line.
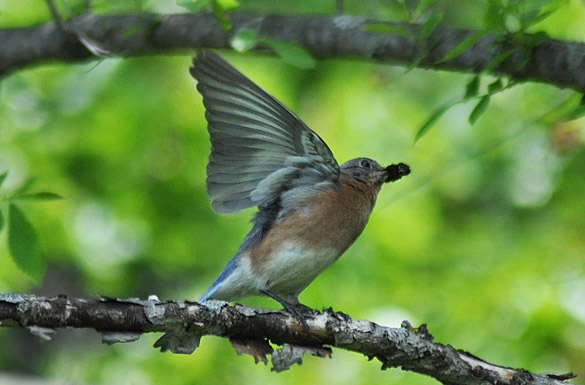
[(556, 62), (250, 329)]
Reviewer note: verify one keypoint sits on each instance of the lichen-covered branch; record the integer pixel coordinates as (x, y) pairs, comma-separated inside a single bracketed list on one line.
[(556, 62), (250, 329)]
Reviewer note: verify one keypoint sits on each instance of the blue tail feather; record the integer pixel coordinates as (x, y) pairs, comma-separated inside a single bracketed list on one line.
[(227, 270), (262, 223)]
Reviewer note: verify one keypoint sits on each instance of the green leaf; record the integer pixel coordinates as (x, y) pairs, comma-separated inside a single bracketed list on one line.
[(562, 110), (530, 19), (292, 53), (414, 64), (40, 196), (463, 45), (493, 18), (430, 122), (1, 221), (3, 177), (479, 109), (226, 5), (498, 60), (577, 113), (219, 8), (193, 5), (512, 23), (244, 40), (536, 39), (132, 31), (472, 88), (218, 12), (495, 86), (422, 6), (386, 28), (24, 245), (26, 186), (431, 24)]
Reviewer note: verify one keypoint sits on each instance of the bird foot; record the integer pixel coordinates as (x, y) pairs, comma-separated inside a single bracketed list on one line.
[(297, 310)]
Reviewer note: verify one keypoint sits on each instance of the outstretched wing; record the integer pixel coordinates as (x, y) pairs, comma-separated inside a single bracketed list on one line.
[(260, 150)]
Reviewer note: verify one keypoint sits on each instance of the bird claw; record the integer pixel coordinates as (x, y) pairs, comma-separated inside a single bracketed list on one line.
[(298, 313), (297, 310)]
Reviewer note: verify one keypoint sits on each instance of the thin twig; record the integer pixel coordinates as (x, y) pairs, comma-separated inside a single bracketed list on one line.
[(339, 7), (56, 15)]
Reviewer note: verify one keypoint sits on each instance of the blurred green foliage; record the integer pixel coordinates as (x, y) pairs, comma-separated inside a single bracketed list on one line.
[(485, 241)]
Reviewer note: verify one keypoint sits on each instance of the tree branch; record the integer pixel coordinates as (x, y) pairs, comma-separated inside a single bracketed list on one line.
[(556, 62), (250, 329)]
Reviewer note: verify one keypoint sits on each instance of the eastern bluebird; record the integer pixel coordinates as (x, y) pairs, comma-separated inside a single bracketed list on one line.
[(310, 209)]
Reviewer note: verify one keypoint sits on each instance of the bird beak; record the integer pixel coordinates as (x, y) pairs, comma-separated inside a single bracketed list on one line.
[(396, 171)]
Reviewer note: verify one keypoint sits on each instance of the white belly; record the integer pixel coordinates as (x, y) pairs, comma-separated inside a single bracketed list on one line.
[(292, 267), (287, 271)]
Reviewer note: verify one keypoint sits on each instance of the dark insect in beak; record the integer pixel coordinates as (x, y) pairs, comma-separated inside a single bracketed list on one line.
[(396, 171)]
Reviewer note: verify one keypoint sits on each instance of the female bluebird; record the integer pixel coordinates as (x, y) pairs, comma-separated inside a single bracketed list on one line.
[(310, 209)]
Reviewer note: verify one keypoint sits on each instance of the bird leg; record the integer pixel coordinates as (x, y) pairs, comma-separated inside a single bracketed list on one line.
[(297, 310)]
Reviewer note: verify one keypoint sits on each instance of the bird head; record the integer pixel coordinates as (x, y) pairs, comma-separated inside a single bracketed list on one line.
[(370, 172)]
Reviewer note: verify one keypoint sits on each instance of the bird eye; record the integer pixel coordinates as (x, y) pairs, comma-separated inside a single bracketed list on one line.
[(365, 164)]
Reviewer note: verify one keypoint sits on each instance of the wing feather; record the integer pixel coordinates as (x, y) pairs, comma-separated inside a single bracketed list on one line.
[(259, 148)]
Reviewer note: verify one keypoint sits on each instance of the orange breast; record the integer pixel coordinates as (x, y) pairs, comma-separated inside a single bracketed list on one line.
[(328, 220)]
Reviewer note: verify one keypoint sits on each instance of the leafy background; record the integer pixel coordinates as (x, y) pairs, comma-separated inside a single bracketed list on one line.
[(484, 242)]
